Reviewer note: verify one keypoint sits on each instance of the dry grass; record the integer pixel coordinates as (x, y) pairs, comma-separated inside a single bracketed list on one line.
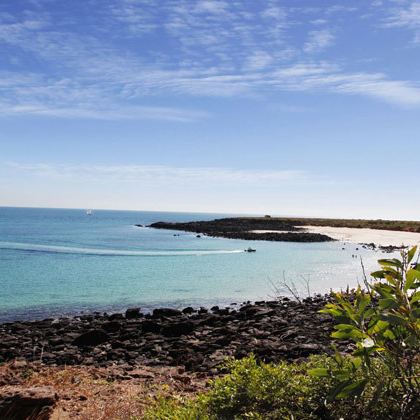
[(102, 393)]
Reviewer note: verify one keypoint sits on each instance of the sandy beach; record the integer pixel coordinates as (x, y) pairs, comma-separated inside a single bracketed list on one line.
[(355, 235)]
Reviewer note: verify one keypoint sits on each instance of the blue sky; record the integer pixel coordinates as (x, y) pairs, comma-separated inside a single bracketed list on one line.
[(286, 107)]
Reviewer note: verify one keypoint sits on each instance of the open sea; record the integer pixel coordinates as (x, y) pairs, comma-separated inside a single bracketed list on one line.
[(57, 262)]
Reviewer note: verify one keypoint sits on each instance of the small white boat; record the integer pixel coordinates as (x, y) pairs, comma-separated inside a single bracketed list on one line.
[(89, 212)]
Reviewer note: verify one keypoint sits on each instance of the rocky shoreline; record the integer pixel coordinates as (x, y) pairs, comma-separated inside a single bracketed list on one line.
[(242, 228), (198, 340)]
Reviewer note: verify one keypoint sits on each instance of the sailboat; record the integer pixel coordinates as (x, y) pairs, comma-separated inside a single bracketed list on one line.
[(89, 212)]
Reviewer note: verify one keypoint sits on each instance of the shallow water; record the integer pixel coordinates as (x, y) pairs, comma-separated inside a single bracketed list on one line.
[(55, 262)]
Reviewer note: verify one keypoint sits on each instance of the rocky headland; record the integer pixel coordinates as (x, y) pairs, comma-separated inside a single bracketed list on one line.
[(245, 228)]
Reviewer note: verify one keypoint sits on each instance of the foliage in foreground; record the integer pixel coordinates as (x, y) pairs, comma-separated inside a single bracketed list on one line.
[(254, 390), (383, 321), (379, 380)]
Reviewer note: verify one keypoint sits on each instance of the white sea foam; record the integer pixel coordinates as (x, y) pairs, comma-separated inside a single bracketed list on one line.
[(108, 252)]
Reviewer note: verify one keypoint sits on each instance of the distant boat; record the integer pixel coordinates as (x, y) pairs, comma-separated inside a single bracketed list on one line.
[(89, 212), (250, 250)]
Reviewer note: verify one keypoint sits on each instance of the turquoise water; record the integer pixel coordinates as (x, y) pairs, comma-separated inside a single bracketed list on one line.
[(56, 261)]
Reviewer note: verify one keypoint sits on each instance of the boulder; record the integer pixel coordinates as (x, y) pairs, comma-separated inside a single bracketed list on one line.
[(31, 403), (132, 313), (178, 329), (168, 312), (114, 317), (150, 326), (91, 338), (111, 326), (188, 310)]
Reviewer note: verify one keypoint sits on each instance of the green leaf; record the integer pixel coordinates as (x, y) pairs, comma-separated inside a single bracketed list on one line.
[(393, 262), (389, 303), (391, 279), (394, 319), (340, 334), (411, 253), (345, 327), (378, 326), (389, 334), (338, 358), (378, 274), (331, 311), (411, 276), (333, 394), (356, 362), (363, 301), (318, 372), (353, 389), (415, 297)]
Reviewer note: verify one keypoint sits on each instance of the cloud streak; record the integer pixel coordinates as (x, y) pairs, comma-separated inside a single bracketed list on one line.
[(145, 53), (406, 17), (319, 41), (158, 174)]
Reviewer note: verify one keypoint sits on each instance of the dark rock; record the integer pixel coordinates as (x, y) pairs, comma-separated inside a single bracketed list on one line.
[(272, 330), (91, 338), (188, 310), (178, 329), (166, 312), (111, 326), (243, 227), (150, 326), (114, 317), (31, 403), (132, 313)]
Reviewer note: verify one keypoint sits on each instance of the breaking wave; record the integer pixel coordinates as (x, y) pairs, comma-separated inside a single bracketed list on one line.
[(107, 252)]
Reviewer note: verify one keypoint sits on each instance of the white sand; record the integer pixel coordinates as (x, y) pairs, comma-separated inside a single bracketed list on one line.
[(378, 237)]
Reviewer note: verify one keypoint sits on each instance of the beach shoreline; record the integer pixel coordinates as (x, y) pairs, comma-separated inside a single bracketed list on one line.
[(362, 236), (363, 232), (380, 237)]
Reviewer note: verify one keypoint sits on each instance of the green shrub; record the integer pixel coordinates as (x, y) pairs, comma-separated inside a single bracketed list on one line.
[(253, 390), (172, 408), (384, 324), (267, 391)]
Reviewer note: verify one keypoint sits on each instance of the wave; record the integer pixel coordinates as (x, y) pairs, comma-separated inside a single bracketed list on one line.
[(56, 249)]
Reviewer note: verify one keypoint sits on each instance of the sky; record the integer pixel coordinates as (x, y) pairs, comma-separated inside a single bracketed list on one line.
[(285, 107)]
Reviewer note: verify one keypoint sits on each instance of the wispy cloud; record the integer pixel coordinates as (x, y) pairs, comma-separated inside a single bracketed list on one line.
[(144, 53), (151, 174), (318, 41), (407, 17)]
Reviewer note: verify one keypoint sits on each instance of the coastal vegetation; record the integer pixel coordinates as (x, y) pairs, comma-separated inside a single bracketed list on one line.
[(380, 224), (380, 379)]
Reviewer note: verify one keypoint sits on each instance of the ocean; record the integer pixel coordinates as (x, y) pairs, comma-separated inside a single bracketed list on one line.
[(56, 262)]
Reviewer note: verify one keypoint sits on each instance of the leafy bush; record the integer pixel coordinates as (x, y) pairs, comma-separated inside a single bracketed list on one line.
[(255, 390), (171, 408), (267, 391), (384, 324)]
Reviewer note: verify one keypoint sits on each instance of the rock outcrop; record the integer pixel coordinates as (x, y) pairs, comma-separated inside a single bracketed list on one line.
[(195, 338), (18, 403), (243, 227)]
